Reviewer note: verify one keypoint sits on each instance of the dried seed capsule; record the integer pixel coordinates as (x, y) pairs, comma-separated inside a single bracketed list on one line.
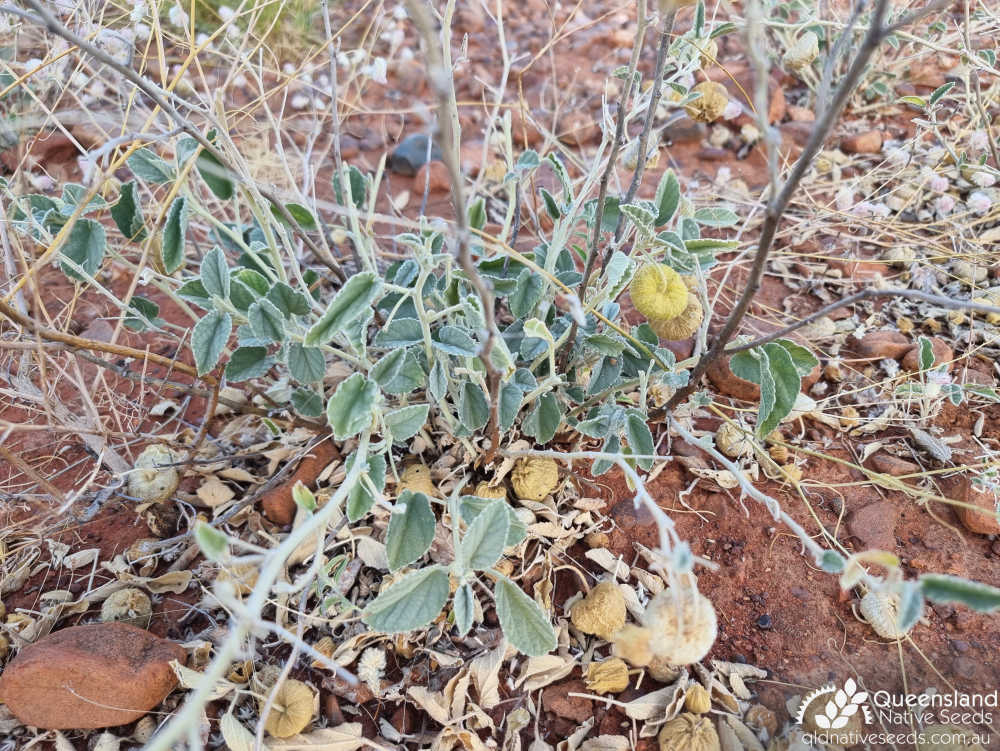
[(683, 326), (154, 479), (658, 292), (732, 441), (485, 490), (291, 710), (710, 105), (697, 700), (803, 51), (880, 610), (534, 478), (417, 478), (607, 677), (129, 605), (602, 612), (688, 732), (682, 623)]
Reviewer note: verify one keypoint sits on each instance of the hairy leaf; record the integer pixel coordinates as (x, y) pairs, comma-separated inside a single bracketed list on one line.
[(410, 603), (411, 529), (523, 622)]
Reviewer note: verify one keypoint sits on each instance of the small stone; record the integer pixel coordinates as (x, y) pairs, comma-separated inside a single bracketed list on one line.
[(579, 129), (874, 525), (433, 175), (943, 355), (350, 147), (557, 699), (893, 465), (723, 378), (863, 143), (764, 622), (883, 345), (960, 488), (277, 503), (801, 114), (411, 154), (92, 676)]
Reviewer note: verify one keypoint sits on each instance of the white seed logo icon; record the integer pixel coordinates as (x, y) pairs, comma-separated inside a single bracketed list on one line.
[(841, 707)]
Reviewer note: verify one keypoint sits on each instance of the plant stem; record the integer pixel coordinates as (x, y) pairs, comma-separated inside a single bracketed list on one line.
[(779, 203)]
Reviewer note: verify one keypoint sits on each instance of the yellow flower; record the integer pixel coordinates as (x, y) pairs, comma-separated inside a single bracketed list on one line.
[(658, 292)]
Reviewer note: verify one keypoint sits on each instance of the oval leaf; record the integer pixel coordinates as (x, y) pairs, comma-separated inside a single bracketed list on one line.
[(522, 620), (350, 301), (209, 338), (349, 410), (412, 602), (411, 529)]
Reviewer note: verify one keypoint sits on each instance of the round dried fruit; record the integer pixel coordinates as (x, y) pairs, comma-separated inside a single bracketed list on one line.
[(732, 441), (534, 478), (154, 479), (602, 612), (485, 490), (682, 625), (243, 577), (803, 51), (417, 478), (880, 610), (697, 699), (683, 326), (710, 105), (607, 677), (632, 643), (4, 646), (658, 292), (291, 710), (129, 605), (240, 672), (688, 732)]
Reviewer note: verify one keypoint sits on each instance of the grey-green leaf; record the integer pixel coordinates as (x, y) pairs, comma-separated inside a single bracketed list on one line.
[(786, 387), (484, 541), (522, 620), (640, 440), (945, 588), (410, 603), (149, 167), (473, 409), (465, 608), (411, 530), (400, 332), (350, 301), (174, 230), (127, 213), (543, 421), (349, 410), (527, 293), (454, 341), (85, 247), (668, 196), (215, 273), (405, 422), (266, 321), (306, 364), (248, 362), (360, 498), (209, 338)]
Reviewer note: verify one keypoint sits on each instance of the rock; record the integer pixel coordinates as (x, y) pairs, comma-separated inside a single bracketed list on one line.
[(874, 525), (277, 503), (523, 130), (801, 114), (879, 345), (942, 354), (93, 676), (411, 154), (557, 699), (893, 465), (859, 269), (470, 18), (578, 129), (350, 147), (960, 489), (723, 378), (435, 176), (863, 143), (409, 77)]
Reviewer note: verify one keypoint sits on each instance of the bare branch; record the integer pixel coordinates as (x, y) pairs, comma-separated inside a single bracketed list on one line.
[(868, 294), (779, 203)]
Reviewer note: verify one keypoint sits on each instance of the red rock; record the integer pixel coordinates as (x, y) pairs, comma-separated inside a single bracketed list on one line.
[(578, 129), (885, 344), (874, 525), (439, 181), (893, 465), (277, 503), (959, 488), (723, 378), (863, 143), (943, 354), (93, 676), (523, 129), (801, 114), (859, 268), (556, 699), (350, 147)]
